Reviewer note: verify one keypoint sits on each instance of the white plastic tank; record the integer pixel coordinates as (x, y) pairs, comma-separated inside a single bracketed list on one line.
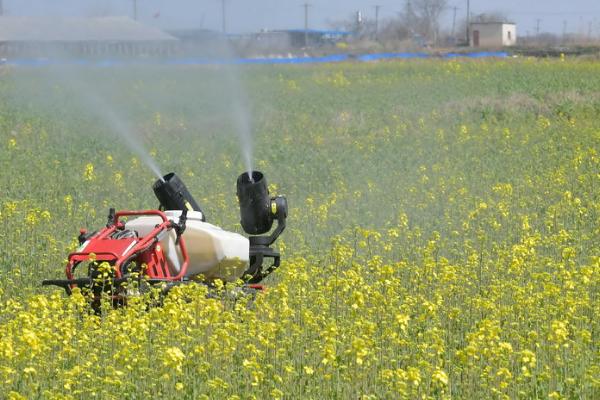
[(213, 252)]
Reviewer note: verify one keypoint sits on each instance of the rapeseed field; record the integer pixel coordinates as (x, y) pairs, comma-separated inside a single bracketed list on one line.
[(443, 239)]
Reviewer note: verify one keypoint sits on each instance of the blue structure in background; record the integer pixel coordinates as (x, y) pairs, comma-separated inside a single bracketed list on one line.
[(257, 61), (391, 56), (480, 54)]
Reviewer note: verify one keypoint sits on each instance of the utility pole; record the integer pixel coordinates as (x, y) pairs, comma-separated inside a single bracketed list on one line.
[(223, 16), (564, 36), (377, 8), (454, 21), (468, 22), (1, 9), (306, 7), (537, 27), (135, 15)]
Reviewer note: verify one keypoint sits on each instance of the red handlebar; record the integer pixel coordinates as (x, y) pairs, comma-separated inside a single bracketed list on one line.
[(139, 213)]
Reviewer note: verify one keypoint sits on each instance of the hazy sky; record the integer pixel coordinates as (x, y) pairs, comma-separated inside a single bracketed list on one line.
[(253, 15)]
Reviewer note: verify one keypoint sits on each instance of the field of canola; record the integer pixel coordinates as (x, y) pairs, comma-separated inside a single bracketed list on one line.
[(443, 238)]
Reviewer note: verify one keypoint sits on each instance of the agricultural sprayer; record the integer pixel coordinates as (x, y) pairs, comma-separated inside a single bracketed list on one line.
[(174, 244)]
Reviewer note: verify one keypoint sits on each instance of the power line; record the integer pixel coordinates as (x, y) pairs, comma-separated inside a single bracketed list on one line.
[(455, 9), (223, 16), (377, 8), (468, 22), (306, 7)]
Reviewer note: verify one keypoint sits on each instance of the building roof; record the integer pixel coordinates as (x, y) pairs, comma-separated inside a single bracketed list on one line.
[(77, 29), (192, 34)]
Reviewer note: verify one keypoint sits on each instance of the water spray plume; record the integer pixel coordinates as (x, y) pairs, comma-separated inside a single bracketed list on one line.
[(128, 134), (96, 104), (239, 107), (241, 118)]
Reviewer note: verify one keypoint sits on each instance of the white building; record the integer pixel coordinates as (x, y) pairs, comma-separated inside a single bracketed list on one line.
[(492, 34), (73, 36)]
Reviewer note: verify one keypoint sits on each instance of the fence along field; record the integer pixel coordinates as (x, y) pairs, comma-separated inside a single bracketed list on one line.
[(443, 236)]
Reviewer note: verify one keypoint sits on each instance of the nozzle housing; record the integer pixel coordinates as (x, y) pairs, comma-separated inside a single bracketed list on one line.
[(172, 194), (255, 203)]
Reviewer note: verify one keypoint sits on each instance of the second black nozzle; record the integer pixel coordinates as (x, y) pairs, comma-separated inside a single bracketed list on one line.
[(255, 203)]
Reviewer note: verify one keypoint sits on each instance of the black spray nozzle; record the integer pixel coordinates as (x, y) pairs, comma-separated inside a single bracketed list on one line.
[(172, 194), (258, 209), (253, 195)]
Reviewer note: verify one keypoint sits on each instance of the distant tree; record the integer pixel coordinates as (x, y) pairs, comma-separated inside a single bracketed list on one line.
[(546, 39), (493, 16), (362, 28), (424, 17), (418, 21), (406, 24), (395, 29)]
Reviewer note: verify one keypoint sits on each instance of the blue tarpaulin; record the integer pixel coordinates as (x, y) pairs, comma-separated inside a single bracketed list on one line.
[(391, 56), (260, 61), (480, 54)]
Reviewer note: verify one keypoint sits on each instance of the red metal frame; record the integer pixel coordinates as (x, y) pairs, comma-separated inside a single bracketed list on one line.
[(147, 248)]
